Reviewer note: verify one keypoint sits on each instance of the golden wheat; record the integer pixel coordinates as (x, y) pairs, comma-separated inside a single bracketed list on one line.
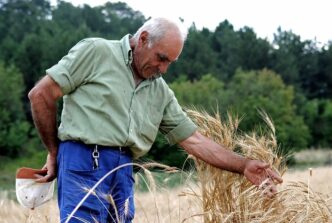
[(229, 197), (213, 195)]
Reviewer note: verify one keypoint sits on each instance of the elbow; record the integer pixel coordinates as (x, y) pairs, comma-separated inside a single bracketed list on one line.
[(35, 94), (46, 91), (31, 94)]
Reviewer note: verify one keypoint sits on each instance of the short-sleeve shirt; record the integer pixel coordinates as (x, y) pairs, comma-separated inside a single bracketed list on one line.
[(102, 105)]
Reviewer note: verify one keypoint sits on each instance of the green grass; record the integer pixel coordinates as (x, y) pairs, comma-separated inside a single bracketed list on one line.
[(303, 160), (162, 180), (9, 166)]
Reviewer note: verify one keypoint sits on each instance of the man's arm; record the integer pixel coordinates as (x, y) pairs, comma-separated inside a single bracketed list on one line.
[(216, 155), (43, 99)]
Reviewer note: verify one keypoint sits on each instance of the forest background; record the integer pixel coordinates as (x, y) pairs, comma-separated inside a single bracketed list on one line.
[(224, 70)]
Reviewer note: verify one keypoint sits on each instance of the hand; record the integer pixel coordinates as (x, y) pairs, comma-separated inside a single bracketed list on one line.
[(51, 167), (260, 174)]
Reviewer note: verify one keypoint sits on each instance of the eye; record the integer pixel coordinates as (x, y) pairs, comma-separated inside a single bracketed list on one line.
[(162, 58)]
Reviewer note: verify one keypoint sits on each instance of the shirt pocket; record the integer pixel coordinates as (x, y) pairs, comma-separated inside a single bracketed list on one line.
[(150, 123)]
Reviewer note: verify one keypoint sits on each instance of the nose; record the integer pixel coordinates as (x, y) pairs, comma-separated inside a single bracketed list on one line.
[(163, 67)]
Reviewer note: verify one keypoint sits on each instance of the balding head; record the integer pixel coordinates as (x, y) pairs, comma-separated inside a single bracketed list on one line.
[(159, 28), (155, 46)]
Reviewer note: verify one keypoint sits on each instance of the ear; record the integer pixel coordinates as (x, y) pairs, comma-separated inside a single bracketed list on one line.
[(144, 38)]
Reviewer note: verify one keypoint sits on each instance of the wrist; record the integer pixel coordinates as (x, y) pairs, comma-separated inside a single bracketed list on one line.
[(52, 154), (243, 165)]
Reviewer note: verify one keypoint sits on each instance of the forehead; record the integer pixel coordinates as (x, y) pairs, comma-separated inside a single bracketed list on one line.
[(171, 46)]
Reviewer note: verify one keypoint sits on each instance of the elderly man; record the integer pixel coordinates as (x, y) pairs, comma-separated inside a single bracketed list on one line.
[(114, 102)]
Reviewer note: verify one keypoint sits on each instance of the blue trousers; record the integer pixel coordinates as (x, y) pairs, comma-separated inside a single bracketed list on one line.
[(111, 201)]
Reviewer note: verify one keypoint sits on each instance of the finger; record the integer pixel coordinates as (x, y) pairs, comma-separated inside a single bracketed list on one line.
[(39, 175), (44, 179), (275, 176), (270, 191), (264, 165), (273, 189), (264, 184)]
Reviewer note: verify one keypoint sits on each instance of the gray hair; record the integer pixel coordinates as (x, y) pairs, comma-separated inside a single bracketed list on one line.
[(158, 27)]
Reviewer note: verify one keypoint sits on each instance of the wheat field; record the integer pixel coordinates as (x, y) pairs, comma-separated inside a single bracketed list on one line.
[(211, 195), (168, 206), (163, 205)]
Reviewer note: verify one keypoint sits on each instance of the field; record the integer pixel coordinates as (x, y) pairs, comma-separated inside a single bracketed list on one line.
[(163, 205), (211, 195)]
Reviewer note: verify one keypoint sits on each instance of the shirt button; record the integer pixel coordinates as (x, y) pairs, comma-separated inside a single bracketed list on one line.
[(131, 130)]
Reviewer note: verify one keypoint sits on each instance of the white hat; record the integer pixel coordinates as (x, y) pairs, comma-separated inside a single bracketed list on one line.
[(29, 193)]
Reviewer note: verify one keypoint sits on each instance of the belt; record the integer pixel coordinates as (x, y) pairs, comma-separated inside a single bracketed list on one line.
[(118, 148), (97, 148), (123, 149)]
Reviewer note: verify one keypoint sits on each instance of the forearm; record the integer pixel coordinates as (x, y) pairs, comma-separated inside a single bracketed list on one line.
[(44, 117), (43, 99), (213, 153)]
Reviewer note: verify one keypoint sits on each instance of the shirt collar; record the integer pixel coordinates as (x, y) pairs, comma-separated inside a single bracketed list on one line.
[(128, 54), (126, 49)]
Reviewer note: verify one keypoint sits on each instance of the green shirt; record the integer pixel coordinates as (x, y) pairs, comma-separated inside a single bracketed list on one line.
[(102, 106)]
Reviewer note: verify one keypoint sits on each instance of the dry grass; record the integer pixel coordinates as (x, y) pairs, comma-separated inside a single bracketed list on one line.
[(12, 212), (228, 197), (320, 180), (172, 205), (213, 195)]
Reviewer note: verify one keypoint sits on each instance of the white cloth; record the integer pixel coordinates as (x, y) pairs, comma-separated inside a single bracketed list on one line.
[(31, 194)]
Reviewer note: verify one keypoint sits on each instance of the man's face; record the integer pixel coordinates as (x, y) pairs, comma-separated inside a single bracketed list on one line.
[(152, 60)]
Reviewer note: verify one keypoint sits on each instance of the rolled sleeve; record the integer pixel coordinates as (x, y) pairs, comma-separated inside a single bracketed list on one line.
[(60, 75), (181, 132), (75, 68), (176, 125)]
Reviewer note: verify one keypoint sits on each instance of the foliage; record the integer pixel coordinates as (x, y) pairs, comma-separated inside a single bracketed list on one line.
[(8, 166), (195, 64), (13, 126), (204, 93), (245, 94), (265, 90), (161, 151), (318, 115), (34, 36)]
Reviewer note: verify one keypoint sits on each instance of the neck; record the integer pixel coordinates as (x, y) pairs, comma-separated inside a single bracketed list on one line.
[(137, 78)]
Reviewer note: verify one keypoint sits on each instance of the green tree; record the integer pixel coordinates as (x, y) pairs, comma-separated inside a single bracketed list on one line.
[(120, 19), (309, 69), (18, 18), (14, 128), (244, 95), (287, 50), (254, 52), (317, 115), (324, 78), (202, 94), (226, 43), (264, 90), (197, 57), (161, 151)]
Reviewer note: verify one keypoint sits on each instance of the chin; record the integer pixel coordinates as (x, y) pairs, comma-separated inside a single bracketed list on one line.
[(149, 75)]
